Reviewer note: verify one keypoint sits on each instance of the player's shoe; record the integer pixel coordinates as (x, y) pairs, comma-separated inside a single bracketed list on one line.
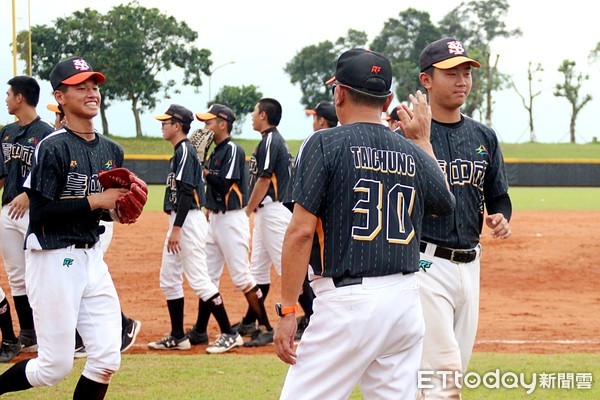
[(244, 329), (129, 334), (261, 337), (9, 350), (171, 343), (28, 340), (302, 324), (196, 337), (225, 342), (80, 352)]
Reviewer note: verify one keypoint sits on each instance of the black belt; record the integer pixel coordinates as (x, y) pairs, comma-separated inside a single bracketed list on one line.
[(456, 256), (341, 281), (217, 211), (83, 245)]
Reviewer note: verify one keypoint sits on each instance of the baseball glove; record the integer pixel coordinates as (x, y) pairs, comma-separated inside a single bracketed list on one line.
[(201, 139), (129, 206)]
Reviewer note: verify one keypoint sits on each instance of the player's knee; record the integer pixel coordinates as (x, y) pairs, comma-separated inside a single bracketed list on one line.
[(101, 373), (54, 373)]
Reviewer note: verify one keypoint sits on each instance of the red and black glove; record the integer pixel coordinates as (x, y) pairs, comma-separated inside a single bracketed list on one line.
[(128, 207)]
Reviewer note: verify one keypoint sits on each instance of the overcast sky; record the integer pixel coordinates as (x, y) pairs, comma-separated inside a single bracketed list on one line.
[(262, 36)]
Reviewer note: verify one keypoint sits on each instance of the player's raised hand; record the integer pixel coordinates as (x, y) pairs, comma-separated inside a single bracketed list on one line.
[(499, 226), (284, 339), (416, 122)]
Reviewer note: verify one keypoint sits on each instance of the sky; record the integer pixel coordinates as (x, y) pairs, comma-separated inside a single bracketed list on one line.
[(261, 37)]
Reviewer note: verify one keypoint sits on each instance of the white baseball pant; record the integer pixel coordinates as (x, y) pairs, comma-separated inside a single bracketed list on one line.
[(270, 224), (370, 334), (450, 297), (72, 289), (191, 260), (228, 242), (12, 238)]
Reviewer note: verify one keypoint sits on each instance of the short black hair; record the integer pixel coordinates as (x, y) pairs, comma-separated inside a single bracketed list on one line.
[(27, 87), (272, 108)]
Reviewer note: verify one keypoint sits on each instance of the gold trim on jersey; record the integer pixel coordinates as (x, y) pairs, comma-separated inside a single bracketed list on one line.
[(197, 198), (275, 186), (237, 190), (321, 236)]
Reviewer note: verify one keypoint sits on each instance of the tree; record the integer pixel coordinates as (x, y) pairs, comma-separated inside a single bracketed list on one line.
[(313, 65), (569, 89), (131, 45), (477, 24), (595, 54), (241, 100), (528, 103), (402, 41)]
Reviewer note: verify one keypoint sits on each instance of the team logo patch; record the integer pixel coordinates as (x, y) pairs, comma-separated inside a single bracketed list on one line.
[(455, 47), (32, 140), (481, 150), (109, 164), (67, 262), (73, 164), (424, 265)]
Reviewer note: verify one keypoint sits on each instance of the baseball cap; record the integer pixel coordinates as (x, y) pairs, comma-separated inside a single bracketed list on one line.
[(393, 114), (177, 112), (54, 108), (73, 71), (217, 111), (365, 71), (324, 109), (445, 54)]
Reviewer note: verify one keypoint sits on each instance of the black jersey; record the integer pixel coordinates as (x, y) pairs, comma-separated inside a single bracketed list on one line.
[(369, 188), (184, 169), (66, 167), (18, 145), (470, 156), (228, 161), (272, 158)]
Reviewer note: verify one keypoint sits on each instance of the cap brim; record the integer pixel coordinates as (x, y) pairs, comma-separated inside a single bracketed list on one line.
[(454, 61), (330, 80), (53, 108), (84, 76), (163, 117), (310, 112), (205, 116)]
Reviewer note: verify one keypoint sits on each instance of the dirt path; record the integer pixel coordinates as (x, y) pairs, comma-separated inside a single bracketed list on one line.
[(539, 289)]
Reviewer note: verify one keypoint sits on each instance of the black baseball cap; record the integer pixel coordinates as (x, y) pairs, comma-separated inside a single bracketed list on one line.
[(217, 111), (324, 109), (393, 114), (364, 71), (177, 112), (73, 71), (445, 54)]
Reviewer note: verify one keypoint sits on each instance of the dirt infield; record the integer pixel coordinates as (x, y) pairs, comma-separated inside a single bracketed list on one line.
[(539, 289)]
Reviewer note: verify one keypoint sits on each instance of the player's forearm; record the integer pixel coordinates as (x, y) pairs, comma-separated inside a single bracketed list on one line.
[(258, 193), (294, 263)]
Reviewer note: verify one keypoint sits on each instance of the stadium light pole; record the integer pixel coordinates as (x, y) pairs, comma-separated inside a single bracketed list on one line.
[(211, 74)]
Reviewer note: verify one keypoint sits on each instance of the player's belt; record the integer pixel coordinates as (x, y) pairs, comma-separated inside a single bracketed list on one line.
[(345, 280), (454, 255), (83, 245)]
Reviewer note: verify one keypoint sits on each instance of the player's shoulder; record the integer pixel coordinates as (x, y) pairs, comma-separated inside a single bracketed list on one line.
[(9, 129), (43, 126), (479, 127)]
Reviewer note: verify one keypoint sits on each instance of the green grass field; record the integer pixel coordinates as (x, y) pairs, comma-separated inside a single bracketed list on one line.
[(531, 151), (238, 376)]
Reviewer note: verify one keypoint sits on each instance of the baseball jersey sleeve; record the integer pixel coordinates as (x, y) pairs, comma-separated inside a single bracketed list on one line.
[(310, 177), (495, 181), (49, 182)]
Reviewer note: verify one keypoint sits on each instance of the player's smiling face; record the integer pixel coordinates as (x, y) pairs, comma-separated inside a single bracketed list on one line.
[(82, 100), (450, 87)]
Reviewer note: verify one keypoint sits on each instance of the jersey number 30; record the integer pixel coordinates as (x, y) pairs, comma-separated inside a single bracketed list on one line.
[(398, 205)]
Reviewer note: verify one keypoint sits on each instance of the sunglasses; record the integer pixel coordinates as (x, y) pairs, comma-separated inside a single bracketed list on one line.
[(336, 85), (167, 123)]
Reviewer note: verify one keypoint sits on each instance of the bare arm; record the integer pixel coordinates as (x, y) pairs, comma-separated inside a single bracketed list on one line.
[(294, 263), (258, 193)]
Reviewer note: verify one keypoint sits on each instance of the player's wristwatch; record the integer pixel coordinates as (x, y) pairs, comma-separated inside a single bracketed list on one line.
[(281, 310)]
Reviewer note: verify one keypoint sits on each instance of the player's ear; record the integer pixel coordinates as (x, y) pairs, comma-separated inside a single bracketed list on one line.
[(425, 80)]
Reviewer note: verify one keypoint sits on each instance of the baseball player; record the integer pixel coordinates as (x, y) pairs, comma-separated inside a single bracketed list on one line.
[(228, 240), (10, 345), (68, 282), (324, 116), (470, 155), (269, 179), (184, 250), (130, 327), (363, 190), (19, 140)]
